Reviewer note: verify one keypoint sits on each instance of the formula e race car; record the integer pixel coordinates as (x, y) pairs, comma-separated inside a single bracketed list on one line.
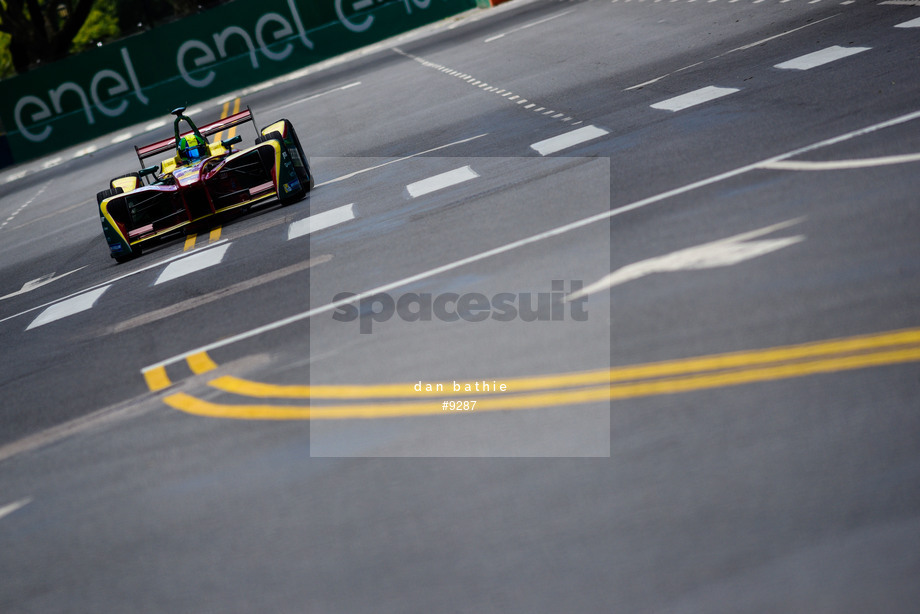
[(201, 180)]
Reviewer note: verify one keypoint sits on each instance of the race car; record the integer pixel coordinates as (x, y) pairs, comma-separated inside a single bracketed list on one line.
[(201, 180)]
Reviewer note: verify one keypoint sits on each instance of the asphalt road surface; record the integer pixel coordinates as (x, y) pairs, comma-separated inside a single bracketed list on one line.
[(596, 307)]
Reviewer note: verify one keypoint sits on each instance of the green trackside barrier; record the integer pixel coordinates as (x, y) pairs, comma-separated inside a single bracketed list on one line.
[(185, 62)]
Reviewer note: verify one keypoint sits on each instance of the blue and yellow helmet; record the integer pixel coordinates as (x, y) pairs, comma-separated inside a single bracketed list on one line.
[(192, 148)]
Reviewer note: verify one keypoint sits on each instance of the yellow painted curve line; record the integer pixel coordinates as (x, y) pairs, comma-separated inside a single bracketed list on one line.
[(674, 385), (715, 362)]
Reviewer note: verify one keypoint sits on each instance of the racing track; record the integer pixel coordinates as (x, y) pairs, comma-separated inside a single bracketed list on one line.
[(721, 417)]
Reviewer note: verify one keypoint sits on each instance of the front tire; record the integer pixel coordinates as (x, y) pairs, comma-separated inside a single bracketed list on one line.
[(101, 196), (304, 174), (136, 252), (298, 159)]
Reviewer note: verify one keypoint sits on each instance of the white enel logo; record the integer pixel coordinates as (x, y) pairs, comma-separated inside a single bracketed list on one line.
[(360, 5), (115, 81), (31, 110), (205, 55), (192, 55)]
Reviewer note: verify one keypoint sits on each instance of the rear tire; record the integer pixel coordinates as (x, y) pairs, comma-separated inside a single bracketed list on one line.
[(101, 196), (271, 136)]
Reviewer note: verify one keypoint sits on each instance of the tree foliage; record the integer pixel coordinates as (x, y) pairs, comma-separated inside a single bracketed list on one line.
[(41, 30), (101, 26), (6, 63), (35, 32)]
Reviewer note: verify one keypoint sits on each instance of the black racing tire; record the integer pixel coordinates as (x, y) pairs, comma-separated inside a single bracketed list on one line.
[(101, 196), (271, 136), (136, 252), (276, 136), (305, 175)]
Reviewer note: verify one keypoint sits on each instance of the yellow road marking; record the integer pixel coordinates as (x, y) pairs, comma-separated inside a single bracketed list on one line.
[(236, 109), (714, 362), (201, 363), (223, 114), (215, 233), (593, 394), (192, 238), (670, 377), (193, 405), (157, 379)]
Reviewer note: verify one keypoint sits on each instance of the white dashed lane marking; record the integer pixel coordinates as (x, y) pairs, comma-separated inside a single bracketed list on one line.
[(155, 125), (19, 210), (326, 219), (506, 94), (819, 58), (439, 182), (567, 140), (68, 307), (690, 99), (193, 263), (913, 23)]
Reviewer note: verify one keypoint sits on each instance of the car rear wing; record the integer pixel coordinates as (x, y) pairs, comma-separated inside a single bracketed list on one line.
[(220, 125)]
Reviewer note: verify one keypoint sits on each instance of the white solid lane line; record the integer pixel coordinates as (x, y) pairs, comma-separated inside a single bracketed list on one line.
[(913, 23), (404, 158), (819, 58), (68, 307), (439, 182), (529, 25), (567, 140), (553, 232), (6, 510), (193, 263), (320, 221), (341, 88), (691, 99)]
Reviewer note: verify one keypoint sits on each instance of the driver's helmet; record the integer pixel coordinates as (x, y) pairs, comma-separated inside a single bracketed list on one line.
[(192, 148)]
